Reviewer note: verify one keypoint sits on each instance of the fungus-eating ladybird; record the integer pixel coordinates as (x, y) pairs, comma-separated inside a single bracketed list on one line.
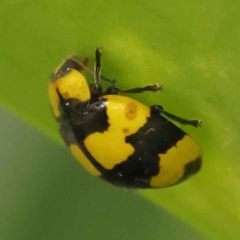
[(116, 137)]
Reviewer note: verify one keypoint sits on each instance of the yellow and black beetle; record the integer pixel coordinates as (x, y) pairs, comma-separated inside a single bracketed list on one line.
[(116, 137)]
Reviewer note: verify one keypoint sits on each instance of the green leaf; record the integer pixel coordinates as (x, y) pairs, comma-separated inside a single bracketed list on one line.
[(191, 48)]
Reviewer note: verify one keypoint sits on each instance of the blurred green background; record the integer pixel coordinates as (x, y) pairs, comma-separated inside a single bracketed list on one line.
[(190, 47)]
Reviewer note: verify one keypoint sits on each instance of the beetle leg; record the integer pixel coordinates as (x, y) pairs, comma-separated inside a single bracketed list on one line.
[(158, 109), (97, 66), (149, 88), (97, 69), (74, 63)]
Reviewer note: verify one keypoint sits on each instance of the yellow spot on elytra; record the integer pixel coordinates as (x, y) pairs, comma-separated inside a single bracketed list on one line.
[(109, 147), (172, 163), (79, 155)]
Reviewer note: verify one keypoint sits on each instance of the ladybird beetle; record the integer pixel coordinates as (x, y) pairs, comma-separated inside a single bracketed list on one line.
[(116, 137)]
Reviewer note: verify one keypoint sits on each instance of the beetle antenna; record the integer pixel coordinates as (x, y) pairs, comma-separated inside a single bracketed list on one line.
[(97, 66)]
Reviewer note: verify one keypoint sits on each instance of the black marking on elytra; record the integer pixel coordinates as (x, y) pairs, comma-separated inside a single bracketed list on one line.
[(67, 134), (96, 120), (71, 109), (156, 137), (91, 119), (85, 121), (84, 118), (191, 168), (69, 138)]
